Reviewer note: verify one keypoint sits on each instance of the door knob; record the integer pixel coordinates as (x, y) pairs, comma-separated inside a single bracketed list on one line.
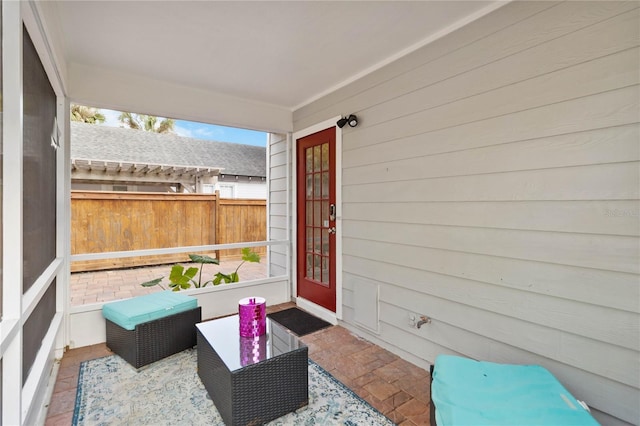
[(332, 230)]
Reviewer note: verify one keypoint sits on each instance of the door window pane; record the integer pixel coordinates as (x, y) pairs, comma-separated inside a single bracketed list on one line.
[(309, 266), (316, 186), (309, 213), (325, 270), (309, 187), (325, 212), (309, 239), (316, 268), (325, 243), (316, 158), (325, 156), (316, 214), (309, 158), (316, 240), (325, 185)]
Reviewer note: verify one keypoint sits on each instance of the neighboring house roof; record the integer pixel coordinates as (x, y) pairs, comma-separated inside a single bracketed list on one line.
[(118, 145)]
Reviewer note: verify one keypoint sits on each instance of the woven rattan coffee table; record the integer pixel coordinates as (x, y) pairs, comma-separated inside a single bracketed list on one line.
[(252, 380)]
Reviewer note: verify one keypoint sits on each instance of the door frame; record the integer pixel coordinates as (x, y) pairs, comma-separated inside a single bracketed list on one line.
[(307, 305)]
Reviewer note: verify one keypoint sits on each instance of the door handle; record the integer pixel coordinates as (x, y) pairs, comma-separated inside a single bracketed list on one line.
[(331, 230), (332, 212)]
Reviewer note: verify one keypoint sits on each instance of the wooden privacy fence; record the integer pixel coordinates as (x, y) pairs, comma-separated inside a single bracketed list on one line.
[(122, 221)]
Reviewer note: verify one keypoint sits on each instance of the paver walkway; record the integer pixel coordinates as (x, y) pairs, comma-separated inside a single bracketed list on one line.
[(104, 286)]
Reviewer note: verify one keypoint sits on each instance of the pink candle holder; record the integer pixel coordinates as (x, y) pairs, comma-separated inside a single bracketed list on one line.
[(253, 316), (252, 350)]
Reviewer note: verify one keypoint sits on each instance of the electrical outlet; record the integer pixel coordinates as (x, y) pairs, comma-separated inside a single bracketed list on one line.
[(412, 320)]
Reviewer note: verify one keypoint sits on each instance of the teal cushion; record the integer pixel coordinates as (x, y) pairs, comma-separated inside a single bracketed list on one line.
[(131, 312), (468, 392)]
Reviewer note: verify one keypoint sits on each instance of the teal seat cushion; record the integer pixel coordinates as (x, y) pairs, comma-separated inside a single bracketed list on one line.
[(131, 312), (468, 392)]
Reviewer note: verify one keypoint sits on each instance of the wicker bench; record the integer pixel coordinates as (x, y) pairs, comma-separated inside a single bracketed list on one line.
[(464, 392), (148, 328)]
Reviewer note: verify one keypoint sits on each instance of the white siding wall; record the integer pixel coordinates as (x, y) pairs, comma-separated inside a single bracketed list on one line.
[(255, 191), (277, 202), (248, 190), (493, 185)]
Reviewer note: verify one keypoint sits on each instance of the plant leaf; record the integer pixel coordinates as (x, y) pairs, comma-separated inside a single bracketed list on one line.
[(176, 273), (234, 277), (191, 272), (203, 259), (222, 278), (152, 282), (249, 255), (179, 277)]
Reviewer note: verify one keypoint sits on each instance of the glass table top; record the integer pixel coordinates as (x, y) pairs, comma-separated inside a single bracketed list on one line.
[(237, 352)]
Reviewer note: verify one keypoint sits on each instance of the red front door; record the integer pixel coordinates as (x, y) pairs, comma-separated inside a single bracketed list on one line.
[(316, 201)]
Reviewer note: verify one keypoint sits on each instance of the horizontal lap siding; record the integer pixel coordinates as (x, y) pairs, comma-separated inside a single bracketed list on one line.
[(493, 184), (277, 202)]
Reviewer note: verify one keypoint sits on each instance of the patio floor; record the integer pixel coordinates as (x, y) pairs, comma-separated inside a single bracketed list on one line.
[(105, 286), (395, 387)]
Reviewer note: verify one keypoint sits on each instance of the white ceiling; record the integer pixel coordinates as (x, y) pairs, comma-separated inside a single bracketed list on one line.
[(283, 53)]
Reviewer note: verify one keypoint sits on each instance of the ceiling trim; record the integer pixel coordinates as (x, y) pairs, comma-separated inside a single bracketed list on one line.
[(122, 91)]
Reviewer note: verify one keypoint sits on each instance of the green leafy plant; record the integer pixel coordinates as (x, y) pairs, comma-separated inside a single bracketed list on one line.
[(248, 255), (181, 279)]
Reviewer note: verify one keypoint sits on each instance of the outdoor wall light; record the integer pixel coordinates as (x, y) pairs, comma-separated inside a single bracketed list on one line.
[(352, 120)]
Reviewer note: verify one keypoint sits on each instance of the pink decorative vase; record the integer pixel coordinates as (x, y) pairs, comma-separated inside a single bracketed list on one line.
[(252, 350), (253, 316)]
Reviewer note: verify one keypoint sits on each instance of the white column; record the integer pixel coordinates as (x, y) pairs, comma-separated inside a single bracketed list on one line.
[(12, 213), (63, 227)]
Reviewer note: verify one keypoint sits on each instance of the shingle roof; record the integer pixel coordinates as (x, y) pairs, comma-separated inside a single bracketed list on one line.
[(95, 142)]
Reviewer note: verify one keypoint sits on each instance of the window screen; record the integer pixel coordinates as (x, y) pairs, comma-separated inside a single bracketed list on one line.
[(39, 167), (39, 196)]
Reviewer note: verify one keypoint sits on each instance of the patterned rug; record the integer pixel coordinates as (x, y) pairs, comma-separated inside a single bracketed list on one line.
[(169, 392)]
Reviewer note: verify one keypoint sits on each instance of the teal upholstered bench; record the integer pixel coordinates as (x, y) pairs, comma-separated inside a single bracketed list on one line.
[(147, 328), (468, 392)]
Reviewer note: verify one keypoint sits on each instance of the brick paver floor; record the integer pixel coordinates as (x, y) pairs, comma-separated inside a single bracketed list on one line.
[(395, 387), (105, 286)]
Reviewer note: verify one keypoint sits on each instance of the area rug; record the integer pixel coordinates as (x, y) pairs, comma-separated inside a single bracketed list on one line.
[(299, 321), (169, 392)]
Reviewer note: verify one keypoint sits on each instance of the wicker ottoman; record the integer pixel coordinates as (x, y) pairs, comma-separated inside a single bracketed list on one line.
[(147, 328), (252, 381)]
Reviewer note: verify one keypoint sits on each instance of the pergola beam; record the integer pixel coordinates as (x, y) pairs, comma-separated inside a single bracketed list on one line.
[(99, 170)]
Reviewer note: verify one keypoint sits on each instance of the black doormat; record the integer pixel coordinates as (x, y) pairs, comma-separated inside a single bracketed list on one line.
[(298, 321)]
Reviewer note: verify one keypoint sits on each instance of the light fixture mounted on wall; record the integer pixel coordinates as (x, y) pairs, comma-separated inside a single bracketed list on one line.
[(352, 120)]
